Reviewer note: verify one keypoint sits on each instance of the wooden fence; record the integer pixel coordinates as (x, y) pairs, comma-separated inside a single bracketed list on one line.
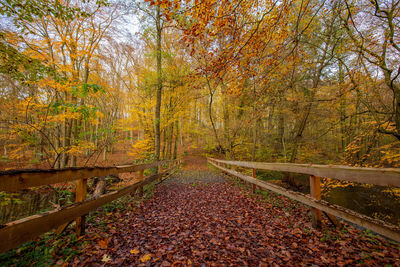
[(383, 177), (17, 232)]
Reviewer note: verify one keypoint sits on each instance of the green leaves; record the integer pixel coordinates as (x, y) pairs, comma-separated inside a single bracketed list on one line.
[(86, 111), (85, 89), (29, 10)]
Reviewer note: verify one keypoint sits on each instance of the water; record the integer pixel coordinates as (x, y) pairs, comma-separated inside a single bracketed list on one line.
[(374, 201), (377, 202)]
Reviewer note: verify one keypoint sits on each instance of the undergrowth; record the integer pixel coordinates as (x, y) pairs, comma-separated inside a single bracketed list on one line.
[(51, 249)]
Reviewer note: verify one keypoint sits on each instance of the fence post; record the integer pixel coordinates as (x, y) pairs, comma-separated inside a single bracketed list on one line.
[(80, 195), (315, 192), (253, 186), (141, 187)]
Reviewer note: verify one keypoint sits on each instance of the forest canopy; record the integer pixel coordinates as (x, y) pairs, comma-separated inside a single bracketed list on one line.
[(305, 81)]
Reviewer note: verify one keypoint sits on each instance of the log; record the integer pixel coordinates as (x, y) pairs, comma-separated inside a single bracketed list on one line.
[(100, 188)]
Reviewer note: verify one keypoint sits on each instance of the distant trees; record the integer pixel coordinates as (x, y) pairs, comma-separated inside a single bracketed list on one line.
[(291, 81), (297, 80), (53, 105)]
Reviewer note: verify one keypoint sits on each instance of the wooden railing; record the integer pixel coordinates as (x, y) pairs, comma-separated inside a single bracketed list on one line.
[(383, 177), (17, 232)]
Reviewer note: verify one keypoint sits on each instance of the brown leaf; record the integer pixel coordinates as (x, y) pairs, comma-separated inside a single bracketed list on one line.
[(103, 243)]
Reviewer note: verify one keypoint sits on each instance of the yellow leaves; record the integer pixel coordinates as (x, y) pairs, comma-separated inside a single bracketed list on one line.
[(12, 38), (141, 148), (17, 151), (390, 154), (134, 251), (328, 183), (99, 114), (145, 258), (60, 87), (80, 147)]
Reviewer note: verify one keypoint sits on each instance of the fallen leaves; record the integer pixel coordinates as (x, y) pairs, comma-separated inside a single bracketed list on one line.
[(134, 251), (217, 223), (103, 243), (105, 258), (145, 258)]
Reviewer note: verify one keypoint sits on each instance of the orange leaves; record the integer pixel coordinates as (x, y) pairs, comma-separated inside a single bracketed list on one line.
[(145, 258), (103, 243), (134, 251)]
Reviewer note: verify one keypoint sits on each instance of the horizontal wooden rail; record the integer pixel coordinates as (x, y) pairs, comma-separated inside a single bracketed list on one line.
[(20, 231), (376, 176), (16, 180), (378, 226)]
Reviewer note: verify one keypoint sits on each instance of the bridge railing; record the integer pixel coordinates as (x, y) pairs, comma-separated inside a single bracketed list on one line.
[(17, 232), (375, 176)]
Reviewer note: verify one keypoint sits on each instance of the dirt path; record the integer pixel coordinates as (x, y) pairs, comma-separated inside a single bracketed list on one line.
[(195, 162), (197, 218)]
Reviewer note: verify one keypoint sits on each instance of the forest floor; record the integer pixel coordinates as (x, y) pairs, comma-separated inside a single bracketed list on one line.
[(198, 217)]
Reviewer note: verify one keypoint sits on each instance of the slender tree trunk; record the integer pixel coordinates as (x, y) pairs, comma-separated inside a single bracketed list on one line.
[(228, 148), (176, 139), (159, 87), (281, 132), (169, 143), (301, 128), (57, 142), (163, 143), (342, 110), (74, 140), (67, 142), (210, 103), (254, 147)]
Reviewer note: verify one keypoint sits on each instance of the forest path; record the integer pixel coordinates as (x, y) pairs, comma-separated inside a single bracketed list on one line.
[(198, 218)]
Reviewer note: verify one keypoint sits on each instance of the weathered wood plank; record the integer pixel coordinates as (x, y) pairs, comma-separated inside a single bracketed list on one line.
[(315, 192), (16, 180), (254, 174), (141, 187), (377, 176), (377, 226), (333, 220), (20, 231), (80, 195)]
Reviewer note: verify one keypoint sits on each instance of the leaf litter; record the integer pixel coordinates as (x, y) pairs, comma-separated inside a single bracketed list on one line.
[(214, 223)]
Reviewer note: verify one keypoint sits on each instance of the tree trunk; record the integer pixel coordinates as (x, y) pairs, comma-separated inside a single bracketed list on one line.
[(228, 146), (164, 145), (159, 87), (281, 133), (169, 143), (342, 110), (176, 139), (67, 142), (301, 128)]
